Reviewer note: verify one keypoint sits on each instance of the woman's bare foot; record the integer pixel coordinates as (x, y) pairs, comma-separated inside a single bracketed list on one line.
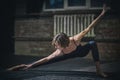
[(102, 74), (99, 71)]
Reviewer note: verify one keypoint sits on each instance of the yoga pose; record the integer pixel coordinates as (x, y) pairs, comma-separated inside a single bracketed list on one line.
[(70, 47)]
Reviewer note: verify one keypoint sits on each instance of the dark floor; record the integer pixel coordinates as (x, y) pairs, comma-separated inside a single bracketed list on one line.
[(55, 75), (71, 69)]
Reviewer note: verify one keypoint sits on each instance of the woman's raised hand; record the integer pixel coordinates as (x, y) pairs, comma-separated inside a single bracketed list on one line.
[(104, 9)]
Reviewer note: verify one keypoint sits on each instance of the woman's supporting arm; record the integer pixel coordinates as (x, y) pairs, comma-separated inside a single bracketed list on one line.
[(44, 60), (36, 63)]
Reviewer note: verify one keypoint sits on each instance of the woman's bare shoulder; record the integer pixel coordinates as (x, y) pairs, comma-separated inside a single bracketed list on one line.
[(73, 39), (56, 53)]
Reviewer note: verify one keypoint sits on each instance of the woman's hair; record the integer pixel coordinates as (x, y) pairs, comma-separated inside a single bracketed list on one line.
[(62, 39)]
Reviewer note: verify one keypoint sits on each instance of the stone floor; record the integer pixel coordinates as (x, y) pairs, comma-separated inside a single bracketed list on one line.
[(71, 69)]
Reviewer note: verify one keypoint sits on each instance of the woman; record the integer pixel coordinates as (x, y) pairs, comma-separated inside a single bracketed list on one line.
[(69, 47)]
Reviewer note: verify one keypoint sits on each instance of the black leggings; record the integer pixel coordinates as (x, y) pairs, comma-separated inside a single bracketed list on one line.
[(81, 51), (91, 45)]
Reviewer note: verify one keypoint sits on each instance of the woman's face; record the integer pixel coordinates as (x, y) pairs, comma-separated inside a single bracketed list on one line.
[(58, 46)]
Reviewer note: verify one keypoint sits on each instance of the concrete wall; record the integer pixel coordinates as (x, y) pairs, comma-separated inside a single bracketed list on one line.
[(34, 28), (33, 37), (108, 37), (108, 32)]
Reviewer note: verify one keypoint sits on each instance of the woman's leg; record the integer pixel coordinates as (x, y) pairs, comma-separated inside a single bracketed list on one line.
[(91, 45), (94, 49), (95, 55)]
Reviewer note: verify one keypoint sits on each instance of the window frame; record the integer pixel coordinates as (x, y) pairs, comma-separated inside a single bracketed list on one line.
[(57, 9), (77, 7), (66, 7)]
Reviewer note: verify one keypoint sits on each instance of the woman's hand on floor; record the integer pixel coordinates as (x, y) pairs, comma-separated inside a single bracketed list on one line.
[(18, 67)]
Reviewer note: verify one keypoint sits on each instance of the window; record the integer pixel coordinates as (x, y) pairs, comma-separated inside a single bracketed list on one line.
[(53, 4), (76, 2), (50, 5)]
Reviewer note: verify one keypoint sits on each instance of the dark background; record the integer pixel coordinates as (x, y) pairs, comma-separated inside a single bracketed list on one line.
[(7, 8)]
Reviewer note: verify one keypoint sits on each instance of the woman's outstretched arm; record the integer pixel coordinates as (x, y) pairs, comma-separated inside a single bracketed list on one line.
[(79, 36), (26, 66), (36, 63)]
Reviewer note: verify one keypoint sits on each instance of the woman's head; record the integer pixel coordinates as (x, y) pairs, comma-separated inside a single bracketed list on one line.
[(61, 40)]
